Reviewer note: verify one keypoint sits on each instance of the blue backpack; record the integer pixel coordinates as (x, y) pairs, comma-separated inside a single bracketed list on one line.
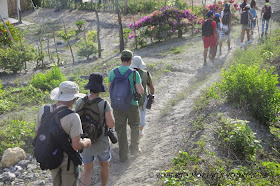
[(120, 91)]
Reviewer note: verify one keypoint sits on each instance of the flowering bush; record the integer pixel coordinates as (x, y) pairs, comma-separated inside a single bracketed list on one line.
[(4, 35), (161, 24), (220, 5)]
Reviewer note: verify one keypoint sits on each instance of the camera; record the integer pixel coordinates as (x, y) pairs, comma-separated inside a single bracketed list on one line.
[(110, 134), (137, 96), (150, 101)]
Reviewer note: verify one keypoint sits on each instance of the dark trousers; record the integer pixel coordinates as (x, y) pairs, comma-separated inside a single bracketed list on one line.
[(132, 118)]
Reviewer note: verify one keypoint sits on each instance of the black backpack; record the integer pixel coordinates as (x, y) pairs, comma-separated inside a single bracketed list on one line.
[(244, 18), (267, 14), (91, 118), (207, 30), (51, 141), (226, 18)]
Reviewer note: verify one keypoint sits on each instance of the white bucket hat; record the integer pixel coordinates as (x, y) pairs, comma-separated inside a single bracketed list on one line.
[(66, 91), (137, 62)]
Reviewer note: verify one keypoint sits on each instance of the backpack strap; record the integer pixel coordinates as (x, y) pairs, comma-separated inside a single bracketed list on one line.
[(126, 74), (48, 113), (148, 80)]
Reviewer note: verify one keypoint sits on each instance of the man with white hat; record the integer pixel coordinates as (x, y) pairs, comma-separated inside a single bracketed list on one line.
[(139, 65), (66, 95)]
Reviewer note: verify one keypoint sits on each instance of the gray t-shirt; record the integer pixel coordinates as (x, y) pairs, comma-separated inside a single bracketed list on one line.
[(102, 143)]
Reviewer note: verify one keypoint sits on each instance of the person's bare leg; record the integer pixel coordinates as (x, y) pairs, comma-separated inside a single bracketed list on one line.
[(248, 35), (104, 172), (228, 44), (86, 176), (213, 53), (205, 55), (242, 35), (220, 44)]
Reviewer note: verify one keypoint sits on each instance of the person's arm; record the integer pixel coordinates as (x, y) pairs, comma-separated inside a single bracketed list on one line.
[(139, 89), (230, 20), (110, 121), (151, 86), (251, 17), (262, 12), (78, 143), (109, 84)]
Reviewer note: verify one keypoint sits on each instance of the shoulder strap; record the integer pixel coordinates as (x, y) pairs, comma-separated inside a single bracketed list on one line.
[(148, 80), (128, 72), (49, 113), (117, 72), (134, 78)]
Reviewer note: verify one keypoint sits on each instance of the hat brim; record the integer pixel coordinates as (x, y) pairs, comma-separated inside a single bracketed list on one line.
[(55, 95), (98, 88), (142, 66)]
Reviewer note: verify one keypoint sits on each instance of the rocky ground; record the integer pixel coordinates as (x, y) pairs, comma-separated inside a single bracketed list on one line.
[(168, 127)]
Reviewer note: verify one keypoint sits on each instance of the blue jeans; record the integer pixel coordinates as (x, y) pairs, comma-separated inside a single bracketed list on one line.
[(266, 23)]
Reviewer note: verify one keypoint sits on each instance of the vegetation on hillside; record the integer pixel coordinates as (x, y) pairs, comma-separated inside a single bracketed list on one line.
[(237, 155)]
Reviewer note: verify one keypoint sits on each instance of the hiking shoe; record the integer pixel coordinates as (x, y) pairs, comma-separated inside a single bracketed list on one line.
[(136, 152), (241, 45), (141, 133), (250, 42)]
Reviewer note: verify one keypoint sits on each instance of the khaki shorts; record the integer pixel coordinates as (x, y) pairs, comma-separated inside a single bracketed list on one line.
[(246, 27)]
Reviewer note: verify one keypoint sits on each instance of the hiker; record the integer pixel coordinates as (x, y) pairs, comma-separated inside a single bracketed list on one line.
[(100, 149), (209, 34), (217, 20), (266, 15), (66, 95), (139, 65), (245, 17), (125, 86), (226, 17), (242, 6), (254, 15)]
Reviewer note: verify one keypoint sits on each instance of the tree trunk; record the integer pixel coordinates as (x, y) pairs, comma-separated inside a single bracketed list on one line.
[(125, 7), (120, 30), (68, 42), (98, 34), (56, 49), (180, 33)]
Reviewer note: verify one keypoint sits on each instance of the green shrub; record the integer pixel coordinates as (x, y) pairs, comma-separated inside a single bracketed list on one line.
[(49, 80), (79, 24), (126, 33), (238, 136), (254, 89), (13, 58), (5, 106), (67, 36), (16, 133), (92, 36), (87, 49)]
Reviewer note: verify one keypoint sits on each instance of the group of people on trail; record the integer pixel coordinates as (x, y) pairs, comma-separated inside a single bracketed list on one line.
[(61, 132), (217, 27)]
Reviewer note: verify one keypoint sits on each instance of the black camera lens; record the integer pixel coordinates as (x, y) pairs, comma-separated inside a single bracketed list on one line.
[(112, 136), (150, 101)]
